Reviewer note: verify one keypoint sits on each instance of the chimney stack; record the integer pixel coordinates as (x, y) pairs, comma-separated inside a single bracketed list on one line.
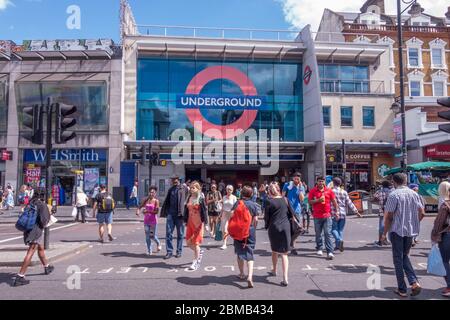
[(447, 14)]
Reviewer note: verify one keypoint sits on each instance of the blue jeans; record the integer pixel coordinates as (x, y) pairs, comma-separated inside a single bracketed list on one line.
[(324, 225), (338, 230), (149, 236), (172, 223), (444, 247), (133, 203), (400, 251), (380, 225)]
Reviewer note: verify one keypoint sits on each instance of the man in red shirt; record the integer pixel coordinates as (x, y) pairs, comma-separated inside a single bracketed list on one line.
[(321, 198)]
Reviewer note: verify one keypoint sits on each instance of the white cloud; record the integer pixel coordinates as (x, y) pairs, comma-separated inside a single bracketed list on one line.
[(299, 13), (4, 4)]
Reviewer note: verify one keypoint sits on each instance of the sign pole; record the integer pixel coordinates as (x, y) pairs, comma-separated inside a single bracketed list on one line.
[(344, 165), (48, 161), (150, 165)]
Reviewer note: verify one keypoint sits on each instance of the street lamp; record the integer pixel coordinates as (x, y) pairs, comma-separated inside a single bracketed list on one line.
[(410, 3)]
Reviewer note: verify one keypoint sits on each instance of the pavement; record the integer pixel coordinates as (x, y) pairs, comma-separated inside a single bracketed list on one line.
[(122, 270)]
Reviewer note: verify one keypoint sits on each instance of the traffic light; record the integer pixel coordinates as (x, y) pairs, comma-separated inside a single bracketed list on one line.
[(445, 102), (155, 159), (64, 122), (338, 157), (143, 155), (33, 118)]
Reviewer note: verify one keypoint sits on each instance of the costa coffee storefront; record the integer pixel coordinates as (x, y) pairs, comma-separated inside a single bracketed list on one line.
[(363, 169), (438, 152)]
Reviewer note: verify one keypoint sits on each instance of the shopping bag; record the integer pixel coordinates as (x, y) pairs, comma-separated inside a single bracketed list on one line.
[(74, 212), (219, 234), (435, 264), (52, 221)]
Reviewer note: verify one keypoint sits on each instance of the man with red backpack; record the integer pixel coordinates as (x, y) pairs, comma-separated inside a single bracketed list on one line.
[(242, 228)]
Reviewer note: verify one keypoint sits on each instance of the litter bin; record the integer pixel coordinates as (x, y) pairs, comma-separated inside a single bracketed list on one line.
[(360, 199)]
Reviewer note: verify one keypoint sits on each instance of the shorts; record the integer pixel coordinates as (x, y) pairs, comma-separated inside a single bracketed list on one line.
[(105, 218), (213, 213)]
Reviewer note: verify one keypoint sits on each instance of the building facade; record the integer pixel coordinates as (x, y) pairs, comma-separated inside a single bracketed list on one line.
[(426, 60), (84, 73), (203, 81)]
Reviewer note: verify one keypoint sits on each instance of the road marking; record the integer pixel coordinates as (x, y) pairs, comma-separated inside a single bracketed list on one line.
[(53, 229), (124, 270), (85, 271), (259, 268), (106, 270), (308, 268), (144, 269), (231, 267), (210, 269)]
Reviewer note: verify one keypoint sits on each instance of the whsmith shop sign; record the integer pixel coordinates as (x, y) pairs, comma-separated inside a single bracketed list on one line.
[(75, 155)]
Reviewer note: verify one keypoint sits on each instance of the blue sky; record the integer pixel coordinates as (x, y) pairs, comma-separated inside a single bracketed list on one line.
[(46, 19)]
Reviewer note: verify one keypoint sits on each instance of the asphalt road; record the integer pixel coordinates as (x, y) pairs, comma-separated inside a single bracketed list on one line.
[(121, 270)]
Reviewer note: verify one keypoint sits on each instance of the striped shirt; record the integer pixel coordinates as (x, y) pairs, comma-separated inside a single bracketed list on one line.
[(382, 196), (344, 202), (405, 204)]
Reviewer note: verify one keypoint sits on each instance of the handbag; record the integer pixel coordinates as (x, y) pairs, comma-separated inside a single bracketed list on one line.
[(219, 233), (52, 221), (435, 263), (296, 227)]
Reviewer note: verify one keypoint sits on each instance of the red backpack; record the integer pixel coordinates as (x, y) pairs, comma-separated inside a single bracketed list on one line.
[(239, 223)]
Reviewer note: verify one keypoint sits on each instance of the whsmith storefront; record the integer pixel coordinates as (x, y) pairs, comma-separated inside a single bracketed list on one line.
[(226, 99)]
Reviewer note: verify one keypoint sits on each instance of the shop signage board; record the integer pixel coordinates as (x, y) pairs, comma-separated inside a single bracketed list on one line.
[(69, 45), (83, 155), (438, 151), (32, 175)]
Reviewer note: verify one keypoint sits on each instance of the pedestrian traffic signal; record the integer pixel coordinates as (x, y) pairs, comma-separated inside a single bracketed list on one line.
[(338, 157), (64, 122), (445, 102), (33, 118)]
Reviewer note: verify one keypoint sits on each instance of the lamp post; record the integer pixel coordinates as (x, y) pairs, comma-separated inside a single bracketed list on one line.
[(400, 107)]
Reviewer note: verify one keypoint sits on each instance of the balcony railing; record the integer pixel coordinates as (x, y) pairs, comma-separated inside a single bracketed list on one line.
[(352, 86), (217, 33), (390, 28)]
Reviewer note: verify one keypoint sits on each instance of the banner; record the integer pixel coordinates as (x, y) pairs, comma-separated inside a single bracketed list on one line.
[(91, 178), (33, 175)]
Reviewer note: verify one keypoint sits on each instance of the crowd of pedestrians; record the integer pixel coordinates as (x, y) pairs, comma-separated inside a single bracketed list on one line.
[(226, 213)]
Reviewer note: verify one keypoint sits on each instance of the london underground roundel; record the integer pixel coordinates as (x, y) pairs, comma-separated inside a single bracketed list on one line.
[(234, 75)]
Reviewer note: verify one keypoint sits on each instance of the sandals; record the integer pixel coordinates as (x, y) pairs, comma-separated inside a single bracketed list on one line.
[(272, 273), (242, 277), (284, 283), (250, 284)]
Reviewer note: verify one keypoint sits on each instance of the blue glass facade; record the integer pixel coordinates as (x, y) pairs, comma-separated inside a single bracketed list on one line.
[(160, 81)]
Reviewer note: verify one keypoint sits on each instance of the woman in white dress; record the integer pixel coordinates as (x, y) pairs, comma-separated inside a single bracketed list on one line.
[(229, 200)]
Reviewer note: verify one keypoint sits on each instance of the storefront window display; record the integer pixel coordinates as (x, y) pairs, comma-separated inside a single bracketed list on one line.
[(71, 168)]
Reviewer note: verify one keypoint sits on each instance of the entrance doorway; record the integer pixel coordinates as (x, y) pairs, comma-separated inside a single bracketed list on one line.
[(67, 184), (234, 177)]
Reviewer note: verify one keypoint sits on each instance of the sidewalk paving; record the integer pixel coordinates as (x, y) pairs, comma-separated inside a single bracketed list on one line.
[(64, 215), (13, 255)]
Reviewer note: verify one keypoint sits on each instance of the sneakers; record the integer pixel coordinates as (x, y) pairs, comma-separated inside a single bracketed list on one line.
[(378, 244), (178, 255), (149, 253), (446, 293), (320, 253), (330, 256), (20, 281), (49, 269), (195, 265), (159, 248), (168, 256), (224, 247)]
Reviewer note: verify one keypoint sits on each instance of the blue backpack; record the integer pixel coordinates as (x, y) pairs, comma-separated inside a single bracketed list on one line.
[(27, 220)]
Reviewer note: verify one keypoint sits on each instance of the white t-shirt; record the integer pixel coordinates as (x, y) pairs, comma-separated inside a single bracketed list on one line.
[(229, 202), (134, 192)]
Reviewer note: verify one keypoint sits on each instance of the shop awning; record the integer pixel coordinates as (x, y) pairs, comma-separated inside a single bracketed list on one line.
[(327, 51), (423, 166), (362, 146)]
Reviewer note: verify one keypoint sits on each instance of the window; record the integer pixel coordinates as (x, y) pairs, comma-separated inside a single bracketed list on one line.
[(344, 78), (346, 116), (436, 55), (327, 116), (3, 106), (415, 88), (368, 116), (438, 89), (413, 57), (89, 97)]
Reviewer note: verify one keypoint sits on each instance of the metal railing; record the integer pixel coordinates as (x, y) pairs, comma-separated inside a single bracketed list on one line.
[(217, 33), (352, 86), (324, 36), (370, 27)]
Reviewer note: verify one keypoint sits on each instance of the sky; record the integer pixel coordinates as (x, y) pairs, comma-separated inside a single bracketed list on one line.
[(47, 19)]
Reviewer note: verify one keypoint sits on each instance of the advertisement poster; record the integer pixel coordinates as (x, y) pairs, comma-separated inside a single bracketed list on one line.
[(32, 175), (91, 178)]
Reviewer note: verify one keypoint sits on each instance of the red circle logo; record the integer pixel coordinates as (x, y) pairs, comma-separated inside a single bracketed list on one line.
[(307, 75), (240, 79)]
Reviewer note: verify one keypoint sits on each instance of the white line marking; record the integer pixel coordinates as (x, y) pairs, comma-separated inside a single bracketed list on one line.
[(54, 229)]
